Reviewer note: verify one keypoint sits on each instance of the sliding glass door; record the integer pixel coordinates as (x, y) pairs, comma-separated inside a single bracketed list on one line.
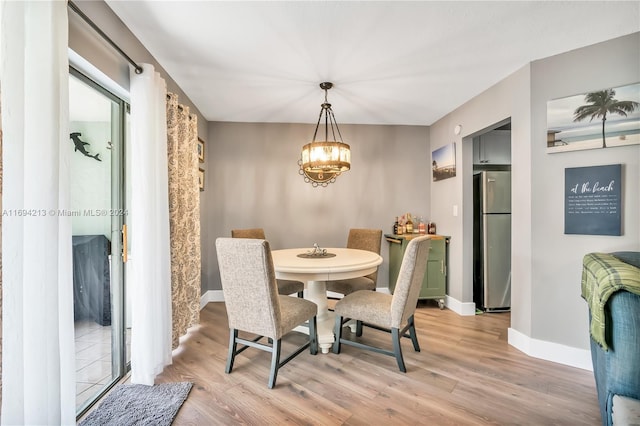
[(99, 214)]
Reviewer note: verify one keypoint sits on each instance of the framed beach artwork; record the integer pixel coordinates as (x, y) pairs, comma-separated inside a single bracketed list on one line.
[(600, 119), (443, 162)]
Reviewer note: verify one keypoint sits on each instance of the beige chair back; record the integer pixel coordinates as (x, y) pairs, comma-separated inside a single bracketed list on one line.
[(249, 285), (409, 282), (366, 239)]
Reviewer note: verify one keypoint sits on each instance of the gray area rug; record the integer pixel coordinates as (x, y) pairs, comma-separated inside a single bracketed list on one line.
[(129, 405)]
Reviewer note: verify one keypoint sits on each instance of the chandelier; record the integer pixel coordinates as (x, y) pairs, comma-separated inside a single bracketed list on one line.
[(323, 161)]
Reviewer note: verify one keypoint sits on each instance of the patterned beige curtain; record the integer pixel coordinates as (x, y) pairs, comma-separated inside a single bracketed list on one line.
[(184, 216)]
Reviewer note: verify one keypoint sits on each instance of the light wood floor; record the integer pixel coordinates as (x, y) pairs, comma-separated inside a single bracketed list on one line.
[(466, 374)]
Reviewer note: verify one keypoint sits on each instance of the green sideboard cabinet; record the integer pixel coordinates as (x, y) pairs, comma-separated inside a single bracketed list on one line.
[(434, 285)]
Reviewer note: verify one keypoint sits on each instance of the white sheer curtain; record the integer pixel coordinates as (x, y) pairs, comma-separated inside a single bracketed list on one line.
[(38, 361), (150, 264)]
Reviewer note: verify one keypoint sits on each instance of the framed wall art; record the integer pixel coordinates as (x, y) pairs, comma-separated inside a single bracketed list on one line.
[(201, 179), (593, 200), (443, 162), (600, 119), (200, 150)]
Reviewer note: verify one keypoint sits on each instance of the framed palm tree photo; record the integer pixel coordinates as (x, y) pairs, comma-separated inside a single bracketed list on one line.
[(600, 119)]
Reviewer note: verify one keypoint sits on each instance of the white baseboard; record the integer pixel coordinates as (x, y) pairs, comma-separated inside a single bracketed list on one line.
[(460, 308), (211, 296), (555, 352)]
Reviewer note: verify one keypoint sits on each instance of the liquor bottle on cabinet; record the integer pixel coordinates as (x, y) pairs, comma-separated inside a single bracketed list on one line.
[(422, 227), (409, 224), (431, 228)]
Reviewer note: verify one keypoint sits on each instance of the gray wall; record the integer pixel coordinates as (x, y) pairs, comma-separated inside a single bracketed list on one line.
[(507, 99), (546, 264), (252, 180), (558, 311)]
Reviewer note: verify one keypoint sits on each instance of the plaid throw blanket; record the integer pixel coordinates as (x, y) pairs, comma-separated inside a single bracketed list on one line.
[(603, 275)]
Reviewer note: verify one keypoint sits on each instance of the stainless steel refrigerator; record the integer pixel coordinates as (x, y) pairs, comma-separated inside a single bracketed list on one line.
[(492, 240)]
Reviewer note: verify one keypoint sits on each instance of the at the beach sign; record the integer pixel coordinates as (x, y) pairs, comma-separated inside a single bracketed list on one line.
[(593, 200)]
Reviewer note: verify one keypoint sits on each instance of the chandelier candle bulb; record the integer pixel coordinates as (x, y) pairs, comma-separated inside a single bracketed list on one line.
[(328, 157)]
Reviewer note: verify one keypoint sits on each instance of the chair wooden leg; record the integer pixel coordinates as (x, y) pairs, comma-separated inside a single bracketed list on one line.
[(397, 349), (412, 333), (233, 334), (313, 336), (338, 332), (275, 363)]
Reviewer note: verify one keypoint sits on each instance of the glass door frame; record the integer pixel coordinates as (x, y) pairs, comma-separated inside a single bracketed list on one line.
[(120, 366)]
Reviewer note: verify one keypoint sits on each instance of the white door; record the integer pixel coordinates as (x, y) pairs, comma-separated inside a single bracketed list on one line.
[(97, 126)]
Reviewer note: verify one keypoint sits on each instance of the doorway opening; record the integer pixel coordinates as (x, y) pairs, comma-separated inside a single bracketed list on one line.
[(98, 133), (492, 218)]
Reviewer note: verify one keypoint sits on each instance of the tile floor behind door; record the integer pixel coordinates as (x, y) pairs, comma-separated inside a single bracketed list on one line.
[(93, 358)]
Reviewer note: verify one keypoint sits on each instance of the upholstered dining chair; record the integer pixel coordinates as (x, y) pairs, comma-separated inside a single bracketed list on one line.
[(254, 305), (363, 239), (284, 286), (385, 312)]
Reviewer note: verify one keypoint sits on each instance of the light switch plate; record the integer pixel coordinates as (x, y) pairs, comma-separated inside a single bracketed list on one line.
[(455, 210)]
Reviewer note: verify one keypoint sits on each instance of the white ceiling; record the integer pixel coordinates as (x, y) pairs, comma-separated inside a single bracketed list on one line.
[(391, 62)]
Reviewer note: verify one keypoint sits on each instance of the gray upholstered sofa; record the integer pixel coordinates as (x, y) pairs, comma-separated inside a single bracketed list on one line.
[(611, 286)]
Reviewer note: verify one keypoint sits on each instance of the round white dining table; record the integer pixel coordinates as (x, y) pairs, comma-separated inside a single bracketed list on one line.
[(315, 271)]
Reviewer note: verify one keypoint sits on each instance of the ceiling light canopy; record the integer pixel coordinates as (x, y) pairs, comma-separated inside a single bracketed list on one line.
[(323, 161)]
